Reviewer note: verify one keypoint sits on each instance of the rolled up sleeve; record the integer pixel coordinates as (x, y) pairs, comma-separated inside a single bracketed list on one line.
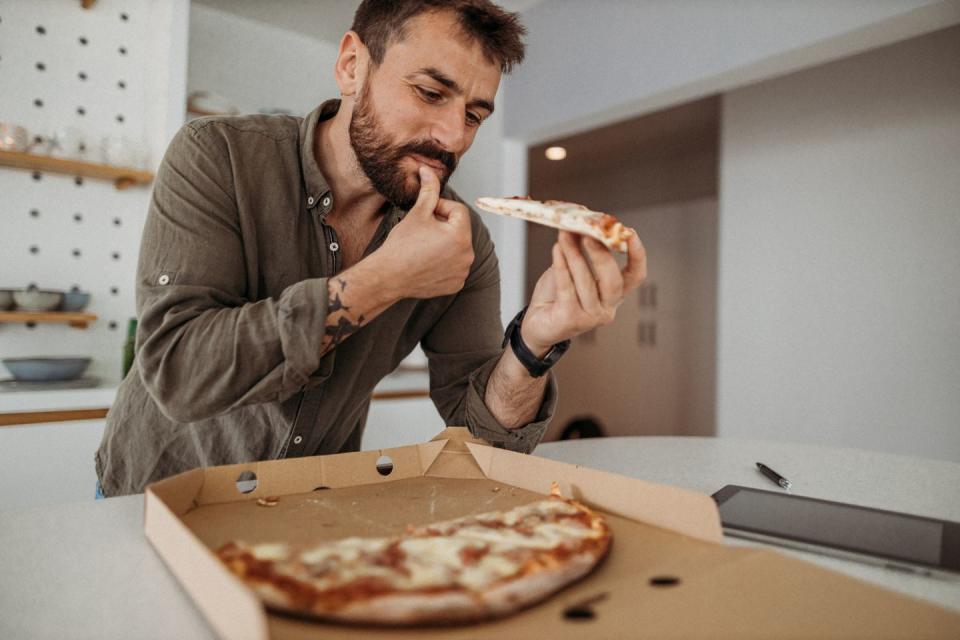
[(203, 346), (463, 349)]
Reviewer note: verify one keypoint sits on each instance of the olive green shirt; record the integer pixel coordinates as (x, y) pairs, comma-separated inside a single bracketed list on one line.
[(232, 303)]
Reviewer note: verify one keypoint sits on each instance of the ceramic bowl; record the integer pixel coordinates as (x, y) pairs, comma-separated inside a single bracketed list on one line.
[(37, 299), (75, 301), (46, 369), (6, 299)]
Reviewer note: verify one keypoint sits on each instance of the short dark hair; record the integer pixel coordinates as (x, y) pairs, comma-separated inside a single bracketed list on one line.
[(380, 23)]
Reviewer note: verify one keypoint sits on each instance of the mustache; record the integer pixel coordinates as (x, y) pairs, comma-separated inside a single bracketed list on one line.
[(430, 151)]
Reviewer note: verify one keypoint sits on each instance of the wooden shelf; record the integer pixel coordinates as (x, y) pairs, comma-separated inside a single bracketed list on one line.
[(76, 319), (122, 177)]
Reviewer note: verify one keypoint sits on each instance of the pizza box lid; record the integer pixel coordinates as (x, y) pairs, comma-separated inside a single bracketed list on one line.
[(668, 572)]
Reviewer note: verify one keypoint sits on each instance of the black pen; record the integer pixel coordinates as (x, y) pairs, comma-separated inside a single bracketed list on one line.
[(773, 475)]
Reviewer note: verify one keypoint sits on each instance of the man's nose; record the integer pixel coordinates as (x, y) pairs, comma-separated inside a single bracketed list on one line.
[(450, 130)]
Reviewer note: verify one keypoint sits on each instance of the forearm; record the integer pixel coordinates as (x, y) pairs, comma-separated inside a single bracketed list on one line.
[(355, 297), (203, 352), (513, 395)]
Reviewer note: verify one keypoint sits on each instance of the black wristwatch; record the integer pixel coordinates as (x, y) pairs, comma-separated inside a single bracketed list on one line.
[(536, 366)]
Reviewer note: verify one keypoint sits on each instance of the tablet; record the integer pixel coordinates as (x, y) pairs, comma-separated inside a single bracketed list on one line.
[(891, 539)]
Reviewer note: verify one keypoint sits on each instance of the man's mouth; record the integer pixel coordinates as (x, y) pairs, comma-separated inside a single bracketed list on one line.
[(433, 164)]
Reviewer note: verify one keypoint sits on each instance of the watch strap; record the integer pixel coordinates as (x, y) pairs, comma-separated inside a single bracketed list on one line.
[(534, 365)]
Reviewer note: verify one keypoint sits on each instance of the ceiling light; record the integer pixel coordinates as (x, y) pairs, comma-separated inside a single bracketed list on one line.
[(555, 153)]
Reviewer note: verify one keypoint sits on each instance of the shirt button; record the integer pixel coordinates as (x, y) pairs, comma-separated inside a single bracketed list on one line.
[(298, 440), (164, 279), (326, 201), (310, 201), (334, 247)]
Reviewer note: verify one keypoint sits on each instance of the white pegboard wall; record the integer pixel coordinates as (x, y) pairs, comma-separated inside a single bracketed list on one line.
[(64, 66)]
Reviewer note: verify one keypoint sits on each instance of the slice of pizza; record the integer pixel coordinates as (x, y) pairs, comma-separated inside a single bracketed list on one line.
[(468, 569), (567, 216)]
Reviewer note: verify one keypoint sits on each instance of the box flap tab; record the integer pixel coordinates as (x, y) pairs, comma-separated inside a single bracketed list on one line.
[(455, 460)]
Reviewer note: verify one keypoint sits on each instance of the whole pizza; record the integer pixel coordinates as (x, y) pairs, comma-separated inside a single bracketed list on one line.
[(468, 569)]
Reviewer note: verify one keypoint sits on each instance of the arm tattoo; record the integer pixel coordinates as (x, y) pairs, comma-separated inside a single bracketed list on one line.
[(339, 324)]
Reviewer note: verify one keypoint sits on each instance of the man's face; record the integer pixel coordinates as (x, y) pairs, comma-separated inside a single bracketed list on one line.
[(421, 106)]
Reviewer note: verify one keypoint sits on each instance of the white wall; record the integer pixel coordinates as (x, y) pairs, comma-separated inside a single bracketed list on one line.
[(88, 234), (590, 63), (256, 65), (839, 312)]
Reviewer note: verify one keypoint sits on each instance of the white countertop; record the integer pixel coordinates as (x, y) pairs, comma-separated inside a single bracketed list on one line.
[(87, 571), (103, 397)]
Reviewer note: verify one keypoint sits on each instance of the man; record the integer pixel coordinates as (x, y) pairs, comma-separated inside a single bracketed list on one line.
[(287, 266)]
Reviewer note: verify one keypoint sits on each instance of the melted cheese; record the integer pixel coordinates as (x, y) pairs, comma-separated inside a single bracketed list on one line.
[(271, 551), (436, 561)]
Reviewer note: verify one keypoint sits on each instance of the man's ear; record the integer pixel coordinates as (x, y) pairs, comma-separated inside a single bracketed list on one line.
[(352, 60)]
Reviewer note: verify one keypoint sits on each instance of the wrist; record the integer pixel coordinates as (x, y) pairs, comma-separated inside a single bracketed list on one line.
[(536, 347), (387, 276)]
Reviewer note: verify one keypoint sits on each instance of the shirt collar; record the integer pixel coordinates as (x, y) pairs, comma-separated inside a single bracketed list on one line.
[(315, 185)]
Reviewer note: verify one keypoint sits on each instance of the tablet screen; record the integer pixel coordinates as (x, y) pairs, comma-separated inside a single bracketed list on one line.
[(835, 525)]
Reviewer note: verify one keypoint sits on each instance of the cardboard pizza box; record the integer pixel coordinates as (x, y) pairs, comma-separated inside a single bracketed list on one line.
[(668, 574)]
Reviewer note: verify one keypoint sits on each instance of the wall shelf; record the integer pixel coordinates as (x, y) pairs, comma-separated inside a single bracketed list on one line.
[(122, 177), (75, 319)]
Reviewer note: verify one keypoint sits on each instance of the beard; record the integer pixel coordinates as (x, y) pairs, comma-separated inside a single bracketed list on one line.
[(381, 159)]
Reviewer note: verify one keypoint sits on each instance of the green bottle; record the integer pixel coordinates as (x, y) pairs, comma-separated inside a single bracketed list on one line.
[(128, 352)]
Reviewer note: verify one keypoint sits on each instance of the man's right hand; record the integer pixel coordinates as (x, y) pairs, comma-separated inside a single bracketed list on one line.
[(430, 252)]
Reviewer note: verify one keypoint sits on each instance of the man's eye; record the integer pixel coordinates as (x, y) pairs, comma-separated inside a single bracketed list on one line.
[(473, 119), (428, 95)]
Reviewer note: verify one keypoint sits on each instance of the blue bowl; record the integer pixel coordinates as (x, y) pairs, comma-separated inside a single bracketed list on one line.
[(75, 301), (46, 369)]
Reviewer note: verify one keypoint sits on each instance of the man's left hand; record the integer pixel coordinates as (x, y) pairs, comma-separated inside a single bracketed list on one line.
[(574, 296)]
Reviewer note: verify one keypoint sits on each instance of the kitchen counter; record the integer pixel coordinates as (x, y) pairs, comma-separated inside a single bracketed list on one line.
[(75, 404)]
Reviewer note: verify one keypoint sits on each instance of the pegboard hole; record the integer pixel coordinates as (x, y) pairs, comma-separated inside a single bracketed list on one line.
[(113, 325), (117, 222), (78, 181), (114, 291), (40, 66), (34, 249), (384, 465), (41, 30), (34, 213), (247, 482), (38, 103), (78, 217), (76, 253), (119, 117), (122, 84), (115, 255), (123, 51), (37, 175), (83, 40), (82, 75), (81, 111), (124, 17)]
